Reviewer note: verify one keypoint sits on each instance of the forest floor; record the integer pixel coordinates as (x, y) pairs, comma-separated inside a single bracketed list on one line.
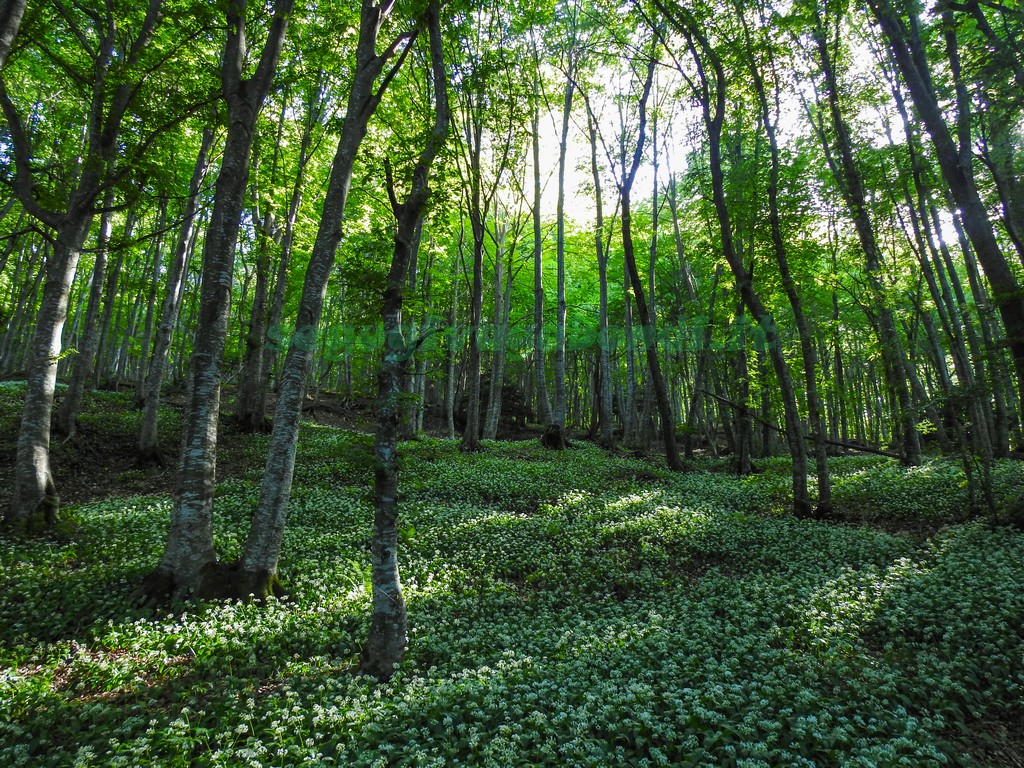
[(569, 608)]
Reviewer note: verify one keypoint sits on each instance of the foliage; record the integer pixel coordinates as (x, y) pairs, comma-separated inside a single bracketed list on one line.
[(571, 608)]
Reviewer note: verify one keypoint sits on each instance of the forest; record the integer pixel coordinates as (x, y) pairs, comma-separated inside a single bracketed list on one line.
[(573, 383)]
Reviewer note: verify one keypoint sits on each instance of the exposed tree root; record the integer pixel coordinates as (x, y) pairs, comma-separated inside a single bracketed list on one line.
[(251, 424), (216, 581), (554, 438), (149, 457)]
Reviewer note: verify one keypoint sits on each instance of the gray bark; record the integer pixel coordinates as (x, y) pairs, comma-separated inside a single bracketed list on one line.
[(850, 182), (148, 447), (543, 401), (11, 13), (34, 491), (605, 402), (388, 636), (147, 333), (558, 405), (82, 371), (807, 347), (711, 93), (263, 544), (647, 319), (189, 557), (904, 38)]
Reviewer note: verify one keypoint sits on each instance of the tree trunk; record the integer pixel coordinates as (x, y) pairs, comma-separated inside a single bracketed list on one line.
[(188, 565), (149, 448), (263, 544), (35, 495), (809, 353), (147, 333), (646, 318), (544, 414), (908, 50), (559, 405), (109, 300), (711, 95), (848, 177), (387, 639), (67, 413), (11, 13), (493, 413), (605, 404)]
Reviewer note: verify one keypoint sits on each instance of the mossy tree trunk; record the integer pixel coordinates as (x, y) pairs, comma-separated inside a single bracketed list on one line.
[(263, 544), (388, 635)]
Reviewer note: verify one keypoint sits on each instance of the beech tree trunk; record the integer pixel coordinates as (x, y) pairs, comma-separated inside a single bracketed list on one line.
[(314, 117), (85, 361), (388, 636), (113, 274), (258, 566), (147, 333), (11, 13), (559, 404), (189, 563), (646, 318), (149, 448), (34, 492), (249, 414), (901, 29), (35, 495), (711, 93), (540, 372), (848, 177), (605, 402), (809, 353)]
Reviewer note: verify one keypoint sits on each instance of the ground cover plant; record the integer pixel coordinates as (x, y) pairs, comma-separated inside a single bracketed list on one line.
[(566, 608)]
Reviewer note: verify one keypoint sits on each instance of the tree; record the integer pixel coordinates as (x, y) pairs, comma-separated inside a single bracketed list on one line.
[(769, 114), (111, 75), (849, 179), (187, 565), (257, 571), (647, 320), (709, 88), (11, 11), (388, 636), (901, 26), (148, 451), (482, 172)]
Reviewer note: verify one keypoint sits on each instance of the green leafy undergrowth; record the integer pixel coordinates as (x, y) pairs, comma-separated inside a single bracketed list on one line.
[(565, 609)]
